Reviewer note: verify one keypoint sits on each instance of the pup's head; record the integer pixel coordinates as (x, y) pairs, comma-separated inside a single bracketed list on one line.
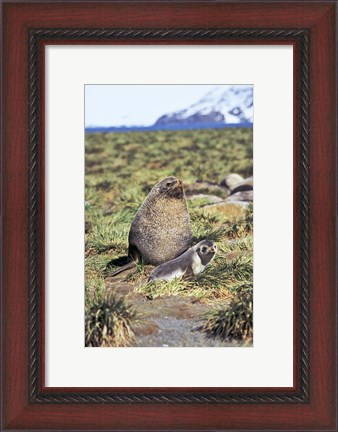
[(206, 250)]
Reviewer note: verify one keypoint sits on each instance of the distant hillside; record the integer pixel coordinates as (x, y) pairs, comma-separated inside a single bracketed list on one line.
[(173, 126)]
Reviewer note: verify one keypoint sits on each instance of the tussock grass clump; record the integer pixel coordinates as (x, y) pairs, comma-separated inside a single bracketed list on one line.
[(109, 323), (232, 322), (237, 245), (94, 286), (219, 227), (200, 233), (230, 274)]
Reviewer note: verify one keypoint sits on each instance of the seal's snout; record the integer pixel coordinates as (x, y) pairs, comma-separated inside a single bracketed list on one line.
[(177, 184), (169, 181)]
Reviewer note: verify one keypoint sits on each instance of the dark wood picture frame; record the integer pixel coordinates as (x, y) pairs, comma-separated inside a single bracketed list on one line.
[(27, 403)]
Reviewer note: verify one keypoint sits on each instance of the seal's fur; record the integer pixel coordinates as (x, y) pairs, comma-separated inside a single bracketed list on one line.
[(160, 230)]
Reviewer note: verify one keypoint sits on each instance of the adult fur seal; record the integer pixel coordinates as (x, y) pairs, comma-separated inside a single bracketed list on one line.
[(161, 228), (190, 263)]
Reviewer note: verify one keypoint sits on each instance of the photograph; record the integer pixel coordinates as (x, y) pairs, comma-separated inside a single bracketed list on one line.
[(169, 215)]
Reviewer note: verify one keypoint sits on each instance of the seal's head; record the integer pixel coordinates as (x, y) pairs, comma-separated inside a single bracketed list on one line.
[(171, 187)]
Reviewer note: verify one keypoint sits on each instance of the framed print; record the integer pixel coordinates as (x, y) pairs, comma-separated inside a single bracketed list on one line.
[(168, 191)]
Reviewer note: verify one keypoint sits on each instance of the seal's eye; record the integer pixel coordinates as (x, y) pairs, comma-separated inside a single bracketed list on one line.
[(169, 183), (204, 249)]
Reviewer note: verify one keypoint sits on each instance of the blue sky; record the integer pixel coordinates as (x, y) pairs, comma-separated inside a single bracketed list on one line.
[(130, 105)]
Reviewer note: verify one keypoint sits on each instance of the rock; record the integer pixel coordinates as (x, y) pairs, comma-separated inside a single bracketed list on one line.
[(245, 185), (173, 322), (231, 180), (207, 188), (210, 198), (227, 208), (245, 196)]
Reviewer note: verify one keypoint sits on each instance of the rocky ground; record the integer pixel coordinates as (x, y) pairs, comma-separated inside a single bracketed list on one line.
[(166, 322)]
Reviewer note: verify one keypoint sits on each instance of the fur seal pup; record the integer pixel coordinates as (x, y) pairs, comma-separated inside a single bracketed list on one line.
[(190, 263), (160, 230)]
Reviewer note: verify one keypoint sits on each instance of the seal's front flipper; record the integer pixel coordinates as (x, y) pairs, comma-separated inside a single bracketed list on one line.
[(119, 262), (134, 254), (124, 268)]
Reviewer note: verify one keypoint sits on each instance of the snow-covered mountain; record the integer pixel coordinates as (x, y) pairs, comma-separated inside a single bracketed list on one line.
[(223, 104)]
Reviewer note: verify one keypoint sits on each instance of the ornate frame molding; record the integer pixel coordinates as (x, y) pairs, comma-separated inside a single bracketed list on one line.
[(299, 35)]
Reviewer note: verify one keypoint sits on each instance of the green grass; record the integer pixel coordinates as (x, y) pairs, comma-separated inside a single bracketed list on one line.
[(121, 168), (221, 281)]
